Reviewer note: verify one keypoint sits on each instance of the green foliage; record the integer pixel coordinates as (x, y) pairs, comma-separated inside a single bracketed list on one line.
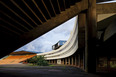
[(38, 60)]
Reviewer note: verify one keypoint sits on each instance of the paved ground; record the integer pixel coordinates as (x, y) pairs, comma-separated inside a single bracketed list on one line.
[(22, 70)]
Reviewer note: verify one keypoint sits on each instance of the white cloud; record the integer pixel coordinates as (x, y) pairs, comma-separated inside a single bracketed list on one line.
[(45, 42)]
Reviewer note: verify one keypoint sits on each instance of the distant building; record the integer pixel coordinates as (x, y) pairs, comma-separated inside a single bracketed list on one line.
[(58, 44)]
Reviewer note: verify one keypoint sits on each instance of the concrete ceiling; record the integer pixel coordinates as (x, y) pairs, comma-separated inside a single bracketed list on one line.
[(24, 20)]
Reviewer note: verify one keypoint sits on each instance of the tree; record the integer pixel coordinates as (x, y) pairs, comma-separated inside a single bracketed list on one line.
[(38, 60)]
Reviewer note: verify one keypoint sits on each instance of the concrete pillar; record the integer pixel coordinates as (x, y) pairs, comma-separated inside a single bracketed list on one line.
[(84, 60), (81, 30), (79, 61), (65, 61), (82, 63), (72, 60), (54, 61), (49, 61), (75, 60), (81, 36), (90, 51), (61, 61), (68, 60)]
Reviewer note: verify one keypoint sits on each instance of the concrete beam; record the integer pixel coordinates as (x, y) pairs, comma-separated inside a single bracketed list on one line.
[(54, 22), (101, 25), (106, 8)]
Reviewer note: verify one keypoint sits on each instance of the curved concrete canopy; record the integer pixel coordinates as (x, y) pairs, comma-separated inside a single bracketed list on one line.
[(68, 48), (71, 46)]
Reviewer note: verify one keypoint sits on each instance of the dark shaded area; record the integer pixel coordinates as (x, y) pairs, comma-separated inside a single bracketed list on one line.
[(108, 47), (54, 71), (20, 17)]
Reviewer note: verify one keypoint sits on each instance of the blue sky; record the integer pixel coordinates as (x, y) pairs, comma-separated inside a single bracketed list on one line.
[(44, 43)]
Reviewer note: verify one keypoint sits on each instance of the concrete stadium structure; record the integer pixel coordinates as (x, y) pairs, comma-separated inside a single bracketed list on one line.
[(17, 57), (66, 53), (24, 20)]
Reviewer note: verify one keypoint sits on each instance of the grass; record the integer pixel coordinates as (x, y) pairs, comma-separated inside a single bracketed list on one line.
[(32, 65), (51, 65)]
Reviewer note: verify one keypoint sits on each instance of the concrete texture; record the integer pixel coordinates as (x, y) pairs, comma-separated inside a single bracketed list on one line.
[(22, 70)]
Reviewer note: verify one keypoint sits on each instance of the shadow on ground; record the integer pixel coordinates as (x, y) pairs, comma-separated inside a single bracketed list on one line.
[(22, 70)]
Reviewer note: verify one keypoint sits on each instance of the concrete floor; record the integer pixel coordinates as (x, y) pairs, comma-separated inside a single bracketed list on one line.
[(22, 70)]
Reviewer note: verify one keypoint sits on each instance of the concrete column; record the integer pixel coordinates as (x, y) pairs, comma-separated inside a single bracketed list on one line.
[(84, 60), (61, 61), (82, 63), (79, 61), (65, 61), (75, 60), (68, 60), (49, 61), (72, 60), (54, 61), (81, 36), (81, 30), (90, 51)]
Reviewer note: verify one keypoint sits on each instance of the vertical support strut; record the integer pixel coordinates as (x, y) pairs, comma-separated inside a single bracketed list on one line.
[(81, 35), (68, 60), (72, 60), (65, 61), (75, 60), (90, 42)]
